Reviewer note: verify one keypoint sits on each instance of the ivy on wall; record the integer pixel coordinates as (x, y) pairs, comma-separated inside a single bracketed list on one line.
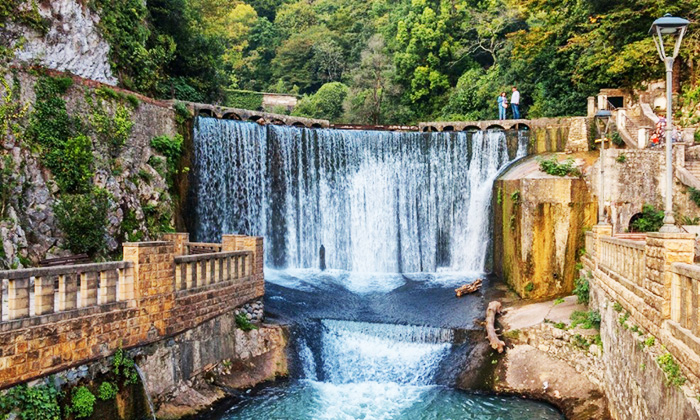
[(244, 99)]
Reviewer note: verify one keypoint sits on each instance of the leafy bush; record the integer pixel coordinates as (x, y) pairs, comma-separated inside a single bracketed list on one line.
[(124, 366), (650, 220), (82, 402), (690, 221), (582, 290), (586, 320), (617, 139), (674, 376), (694, 195), (31, 403), (171, 148), (112, 129), (67, 152), (107, 391), (244, 99), (552, 166), (83, 220), (244, 323), (326, 103), (622, 158)]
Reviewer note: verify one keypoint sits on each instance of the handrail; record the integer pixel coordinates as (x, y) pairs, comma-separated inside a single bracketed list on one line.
[(63, 269), (201, 257)]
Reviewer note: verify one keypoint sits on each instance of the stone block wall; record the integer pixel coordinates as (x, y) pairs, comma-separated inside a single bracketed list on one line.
[(140, 305), (660, 304)]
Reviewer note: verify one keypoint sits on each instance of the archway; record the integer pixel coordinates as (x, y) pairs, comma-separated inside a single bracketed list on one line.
[(429, 129), (316, 125), (495, 127), (448, 128), (231, 116), (203, 112), (255, 118), (298, 124), (471, 128)]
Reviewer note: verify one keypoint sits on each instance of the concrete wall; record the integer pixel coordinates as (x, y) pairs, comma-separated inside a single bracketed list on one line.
[(539, 222)]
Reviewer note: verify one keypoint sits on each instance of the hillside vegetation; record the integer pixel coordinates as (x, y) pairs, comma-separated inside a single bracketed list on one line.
[(397, 61)]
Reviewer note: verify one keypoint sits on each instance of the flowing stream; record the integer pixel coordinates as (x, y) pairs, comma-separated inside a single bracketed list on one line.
[(402, 218)]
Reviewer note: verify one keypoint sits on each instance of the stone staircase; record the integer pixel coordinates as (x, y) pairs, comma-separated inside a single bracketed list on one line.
[(693, 166)]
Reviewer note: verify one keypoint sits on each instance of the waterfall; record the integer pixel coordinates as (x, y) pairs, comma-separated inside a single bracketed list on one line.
[(377, 201)]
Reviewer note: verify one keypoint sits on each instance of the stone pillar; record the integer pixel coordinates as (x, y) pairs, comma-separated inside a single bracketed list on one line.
[(591, 106), (179, 239), (602, 102), (232, 242), (599, 231), (679, 154), (642, 137), (18, 298), (662, 250), (154, 284), (43, 295)]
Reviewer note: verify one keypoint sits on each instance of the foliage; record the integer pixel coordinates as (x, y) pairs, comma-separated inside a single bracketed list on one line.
[(616, 139), (650, 340), (529, 287), (586, 320), (32, 403), (124, 366), (622, 158), (617, 307), (650, 220), (113, 129), (695, 195), (107, 391), (326, 103), (552, 166), (82, 402), (582, 290), (690, 221), (623, 318), (244, 99), (8, 184), (515, 197), (558, 301), (244, 323), (171, 148), (83, 220), (674, 376)]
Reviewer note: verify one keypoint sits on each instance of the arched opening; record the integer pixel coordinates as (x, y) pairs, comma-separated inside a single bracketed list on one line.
[(254, 118), (277, 122), (429, 129), (520, 126), (205, 113), (298, 124), (495, 127), (631, 227), (316, 125), (471, 128), (231, 116), (448, 128)]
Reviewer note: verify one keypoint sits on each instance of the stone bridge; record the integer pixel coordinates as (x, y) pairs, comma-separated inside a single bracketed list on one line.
[(520, 124), (238, 114)]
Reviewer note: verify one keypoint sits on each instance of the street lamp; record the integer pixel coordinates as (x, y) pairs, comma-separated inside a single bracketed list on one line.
[(602, 119), (668, 27)]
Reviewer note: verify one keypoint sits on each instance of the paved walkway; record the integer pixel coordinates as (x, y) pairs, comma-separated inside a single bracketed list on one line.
[(531, 314)]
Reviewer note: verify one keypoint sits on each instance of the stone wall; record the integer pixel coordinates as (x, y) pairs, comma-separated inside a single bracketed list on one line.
[(539, 222), (73, 43), (140, 301), (30, 231), (647, 311)]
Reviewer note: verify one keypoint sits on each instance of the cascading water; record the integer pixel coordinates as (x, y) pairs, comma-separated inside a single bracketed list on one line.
[(377, 201), (391, 210)]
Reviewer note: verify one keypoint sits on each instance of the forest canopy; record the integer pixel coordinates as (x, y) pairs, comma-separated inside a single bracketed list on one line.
[(381, 61)]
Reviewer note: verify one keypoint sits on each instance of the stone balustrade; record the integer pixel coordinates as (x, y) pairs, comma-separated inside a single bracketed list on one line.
[(684, 296), (60, 317), (624, 257), (60, 289)]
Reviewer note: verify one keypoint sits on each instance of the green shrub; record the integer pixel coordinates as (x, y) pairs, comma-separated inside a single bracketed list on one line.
[(171, 148), (650, 340), (107, 391), (244, 99), (674, 376), (83, 220), (617, 307), (244, 323), (690, 221), (582, 290), (31, 403), (529, 287), (622, 158), (694, 195), (651, 220), (111, 129), (82, 403), (617, 139), (552, 166), (586, 320), (696, 136), (124, 366), (515, 197), (326, 103)]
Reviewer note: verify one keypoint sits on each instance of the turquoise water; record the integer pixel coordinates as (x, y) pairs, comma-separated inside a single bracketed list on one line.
[(382, 401)]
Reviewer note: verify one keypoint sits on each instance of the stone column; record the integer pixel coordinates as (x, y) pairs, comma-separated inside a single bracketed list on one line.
[(591, 106), (154, 284), (599, 230), (232, 242), (662, 250), (179, 239)]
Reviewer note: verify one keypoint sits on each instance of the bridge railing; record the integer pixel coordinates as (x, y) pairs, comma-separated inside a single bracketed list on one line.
[(192, 271), (624, 257)]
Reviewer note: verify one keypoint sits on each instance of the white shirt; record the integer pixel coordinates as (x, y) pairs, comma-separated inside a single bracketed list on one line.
[(515, 98)]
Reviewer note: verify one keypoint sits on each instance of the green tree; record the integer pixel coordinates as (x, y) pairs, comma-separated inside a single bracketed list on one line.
[(326, 103)]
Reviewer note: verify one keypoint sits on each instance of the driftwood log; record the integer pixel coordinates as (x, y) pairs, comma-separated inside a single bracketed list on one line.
[(468, 288), (493, 309)]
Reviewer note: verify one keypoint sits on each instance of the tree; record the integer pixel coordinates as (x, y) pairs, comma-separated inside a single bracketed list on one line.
[(326, 103)]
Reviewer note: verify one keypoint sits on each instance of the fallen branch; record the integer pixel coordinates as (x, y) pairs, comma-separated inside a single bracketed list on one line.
[(493, 309), (468, 288)]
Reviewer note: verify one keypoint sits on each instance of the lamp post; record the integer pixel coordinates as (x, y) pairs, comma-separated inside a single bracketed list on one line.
[(668, 27), (602, 119)]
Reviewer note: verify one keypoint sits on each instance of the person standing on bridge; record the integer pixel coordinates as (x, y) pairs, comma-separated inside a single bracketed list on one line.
[(515, 102), (502, 105)]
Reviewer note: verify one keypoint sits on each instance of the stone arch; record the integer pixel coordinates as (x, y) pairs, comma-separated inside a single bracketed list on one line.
[(298, 124), (495, 127), (316, 125), (448, 128), (520, 126), (472, 128), (204, 112), (255, 118), (277, 122), (634, 217), (429, 129), (231, 116)]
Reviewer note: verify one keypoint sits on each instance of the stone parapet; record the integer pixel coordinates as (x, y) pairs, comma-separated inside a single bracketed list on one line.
[(61, 317)]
